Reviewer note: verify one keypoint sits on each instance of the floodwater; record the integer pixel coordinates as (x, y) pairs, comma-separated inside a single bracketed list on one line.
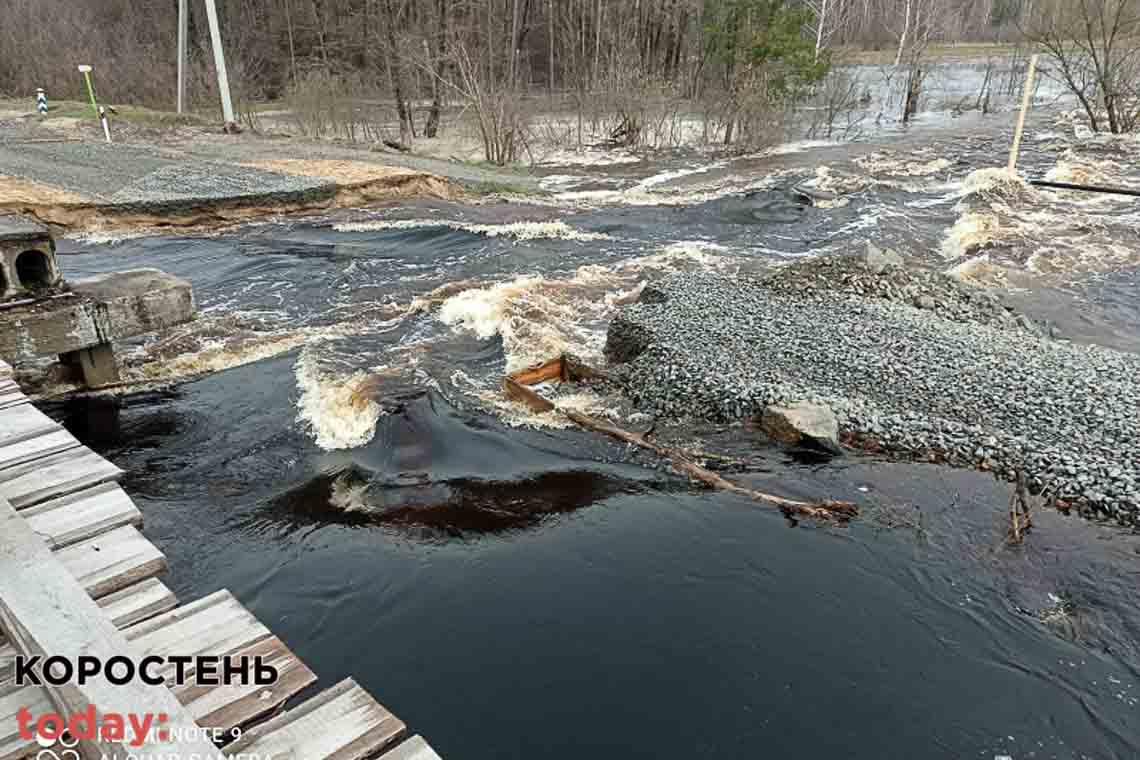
[(330, 444)]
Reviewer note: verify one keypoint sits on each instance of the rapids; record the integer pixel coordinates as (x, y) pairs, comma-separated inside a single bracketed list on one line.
[(329, 442)]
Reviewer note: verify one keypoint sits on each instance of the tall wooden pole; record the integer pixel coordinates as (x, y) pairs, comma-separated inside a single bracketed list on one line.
[(1025, 98), (182, 21), (220, 64)]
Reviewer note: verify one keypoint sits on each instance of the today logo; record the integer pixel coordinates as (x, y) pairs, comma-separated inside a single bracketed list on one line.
[(62, 747)]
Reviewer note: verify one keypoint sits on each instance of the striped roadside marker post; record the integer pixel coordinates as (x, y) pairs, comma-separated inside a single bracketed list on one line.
[(86, 70), (103, 120), (41, 101)]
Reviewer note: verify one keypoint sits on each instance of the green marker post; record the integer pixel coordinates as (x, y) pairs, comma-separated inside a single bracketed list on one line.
[(86, 70)]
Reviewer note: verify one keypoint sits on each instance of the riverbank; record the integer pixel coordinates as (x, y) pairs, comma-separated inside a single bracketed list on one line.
[(188, 175), (912, 363)]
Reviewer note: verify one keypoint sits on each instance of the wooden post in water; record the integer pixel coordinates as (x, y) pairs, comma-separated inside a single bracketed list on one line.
[(1025, 97)]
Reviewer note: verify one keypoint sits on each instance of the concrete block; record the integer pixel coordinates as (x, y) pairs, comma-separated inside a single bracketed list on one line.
[(96, 364), (28, 268), (100, 310)]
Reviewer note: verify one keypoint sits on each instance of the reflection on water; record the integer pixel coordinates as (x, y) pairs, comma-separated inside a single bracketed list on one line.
[(455, 508)]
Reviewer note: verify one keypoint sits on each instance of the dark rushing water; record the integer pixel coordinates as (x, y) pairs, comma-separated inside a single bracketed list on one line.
[(514, 592)]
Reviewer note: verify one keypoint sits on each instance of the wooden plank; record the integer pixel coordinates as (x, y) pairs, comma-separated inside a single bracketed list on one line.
[(46, 612), (216, 624), (83, 515), (24, 421), (412, 749), (139, 602), (36, 447), (112, 561), (10, 393), (343, 722), (229, 706), (56, 475), (219, 625), (127, 607)]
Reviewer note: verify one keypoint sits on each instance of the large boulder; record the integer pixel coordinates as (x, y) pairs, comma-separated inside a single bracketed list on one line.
[(803, 424), (626, 339)]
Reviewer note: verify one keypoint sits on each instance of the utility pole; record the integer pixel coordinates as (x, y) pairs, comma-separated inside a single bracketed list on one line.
[(1026, 99), (220, 65), (182, 21)]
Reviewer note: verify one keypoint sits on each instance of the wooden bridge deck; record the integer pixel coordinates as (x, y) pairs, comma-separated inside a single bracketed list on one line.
[(69, 499)]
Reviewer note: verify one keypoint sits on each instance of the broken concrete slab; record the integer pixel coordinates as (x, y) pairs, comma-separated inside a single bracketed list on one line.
[(98, 312)]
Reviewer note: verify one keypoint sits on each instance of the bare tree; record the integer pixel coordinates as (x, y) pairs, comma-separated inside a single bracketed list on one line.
[(1094, 46)]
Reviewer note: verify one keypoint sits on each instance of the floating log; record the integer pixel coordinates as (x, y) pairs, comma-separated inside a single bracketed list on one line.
[(569, 369), (1084, 188)]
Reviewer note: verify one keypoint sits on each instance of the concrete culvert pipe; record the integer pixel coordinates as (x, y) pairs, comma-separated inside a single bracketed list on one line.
[(33, 270)]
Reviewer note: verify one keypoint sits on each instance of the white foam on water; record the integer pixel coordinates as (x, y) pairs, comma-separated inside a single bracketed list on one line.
[(211, 355), (588, 157), (796, 146), (972, 230), (668, 176), (541, 316), (978, 270), (995, 182), (554, 182), (550, 230), (535, 317), (333, 408), (901, 165), (110, 237), (682, 254)]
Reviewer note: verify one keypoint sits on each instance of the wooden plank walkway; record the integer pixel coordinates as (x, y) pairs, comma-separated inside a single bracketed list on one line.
[(69, 500)]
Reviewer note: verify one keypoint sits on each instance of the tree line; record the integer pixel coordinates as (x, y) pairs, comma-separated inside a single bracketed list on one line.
[(537, 44), (744, 59)]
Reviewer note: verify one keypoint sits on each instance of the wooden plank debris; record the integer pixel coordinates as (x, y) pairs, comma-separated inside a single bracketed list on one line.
[(61, 619), (343, 722), (568, 369), (56, 475), (111, 561)]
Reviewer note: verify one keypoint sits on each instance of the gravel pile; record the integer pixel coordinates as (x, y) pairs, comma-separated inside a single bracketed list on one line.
[(899, 378), (884, 275)]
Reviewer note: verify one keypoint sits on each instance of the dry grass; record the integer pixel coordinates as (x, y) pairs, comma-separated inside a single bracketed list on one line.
[(340, 172), (17, 192)]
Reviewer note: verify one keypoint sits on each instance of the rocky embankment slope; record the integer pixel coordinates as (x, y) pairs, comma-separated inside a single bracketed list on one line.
[(911, 361)]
